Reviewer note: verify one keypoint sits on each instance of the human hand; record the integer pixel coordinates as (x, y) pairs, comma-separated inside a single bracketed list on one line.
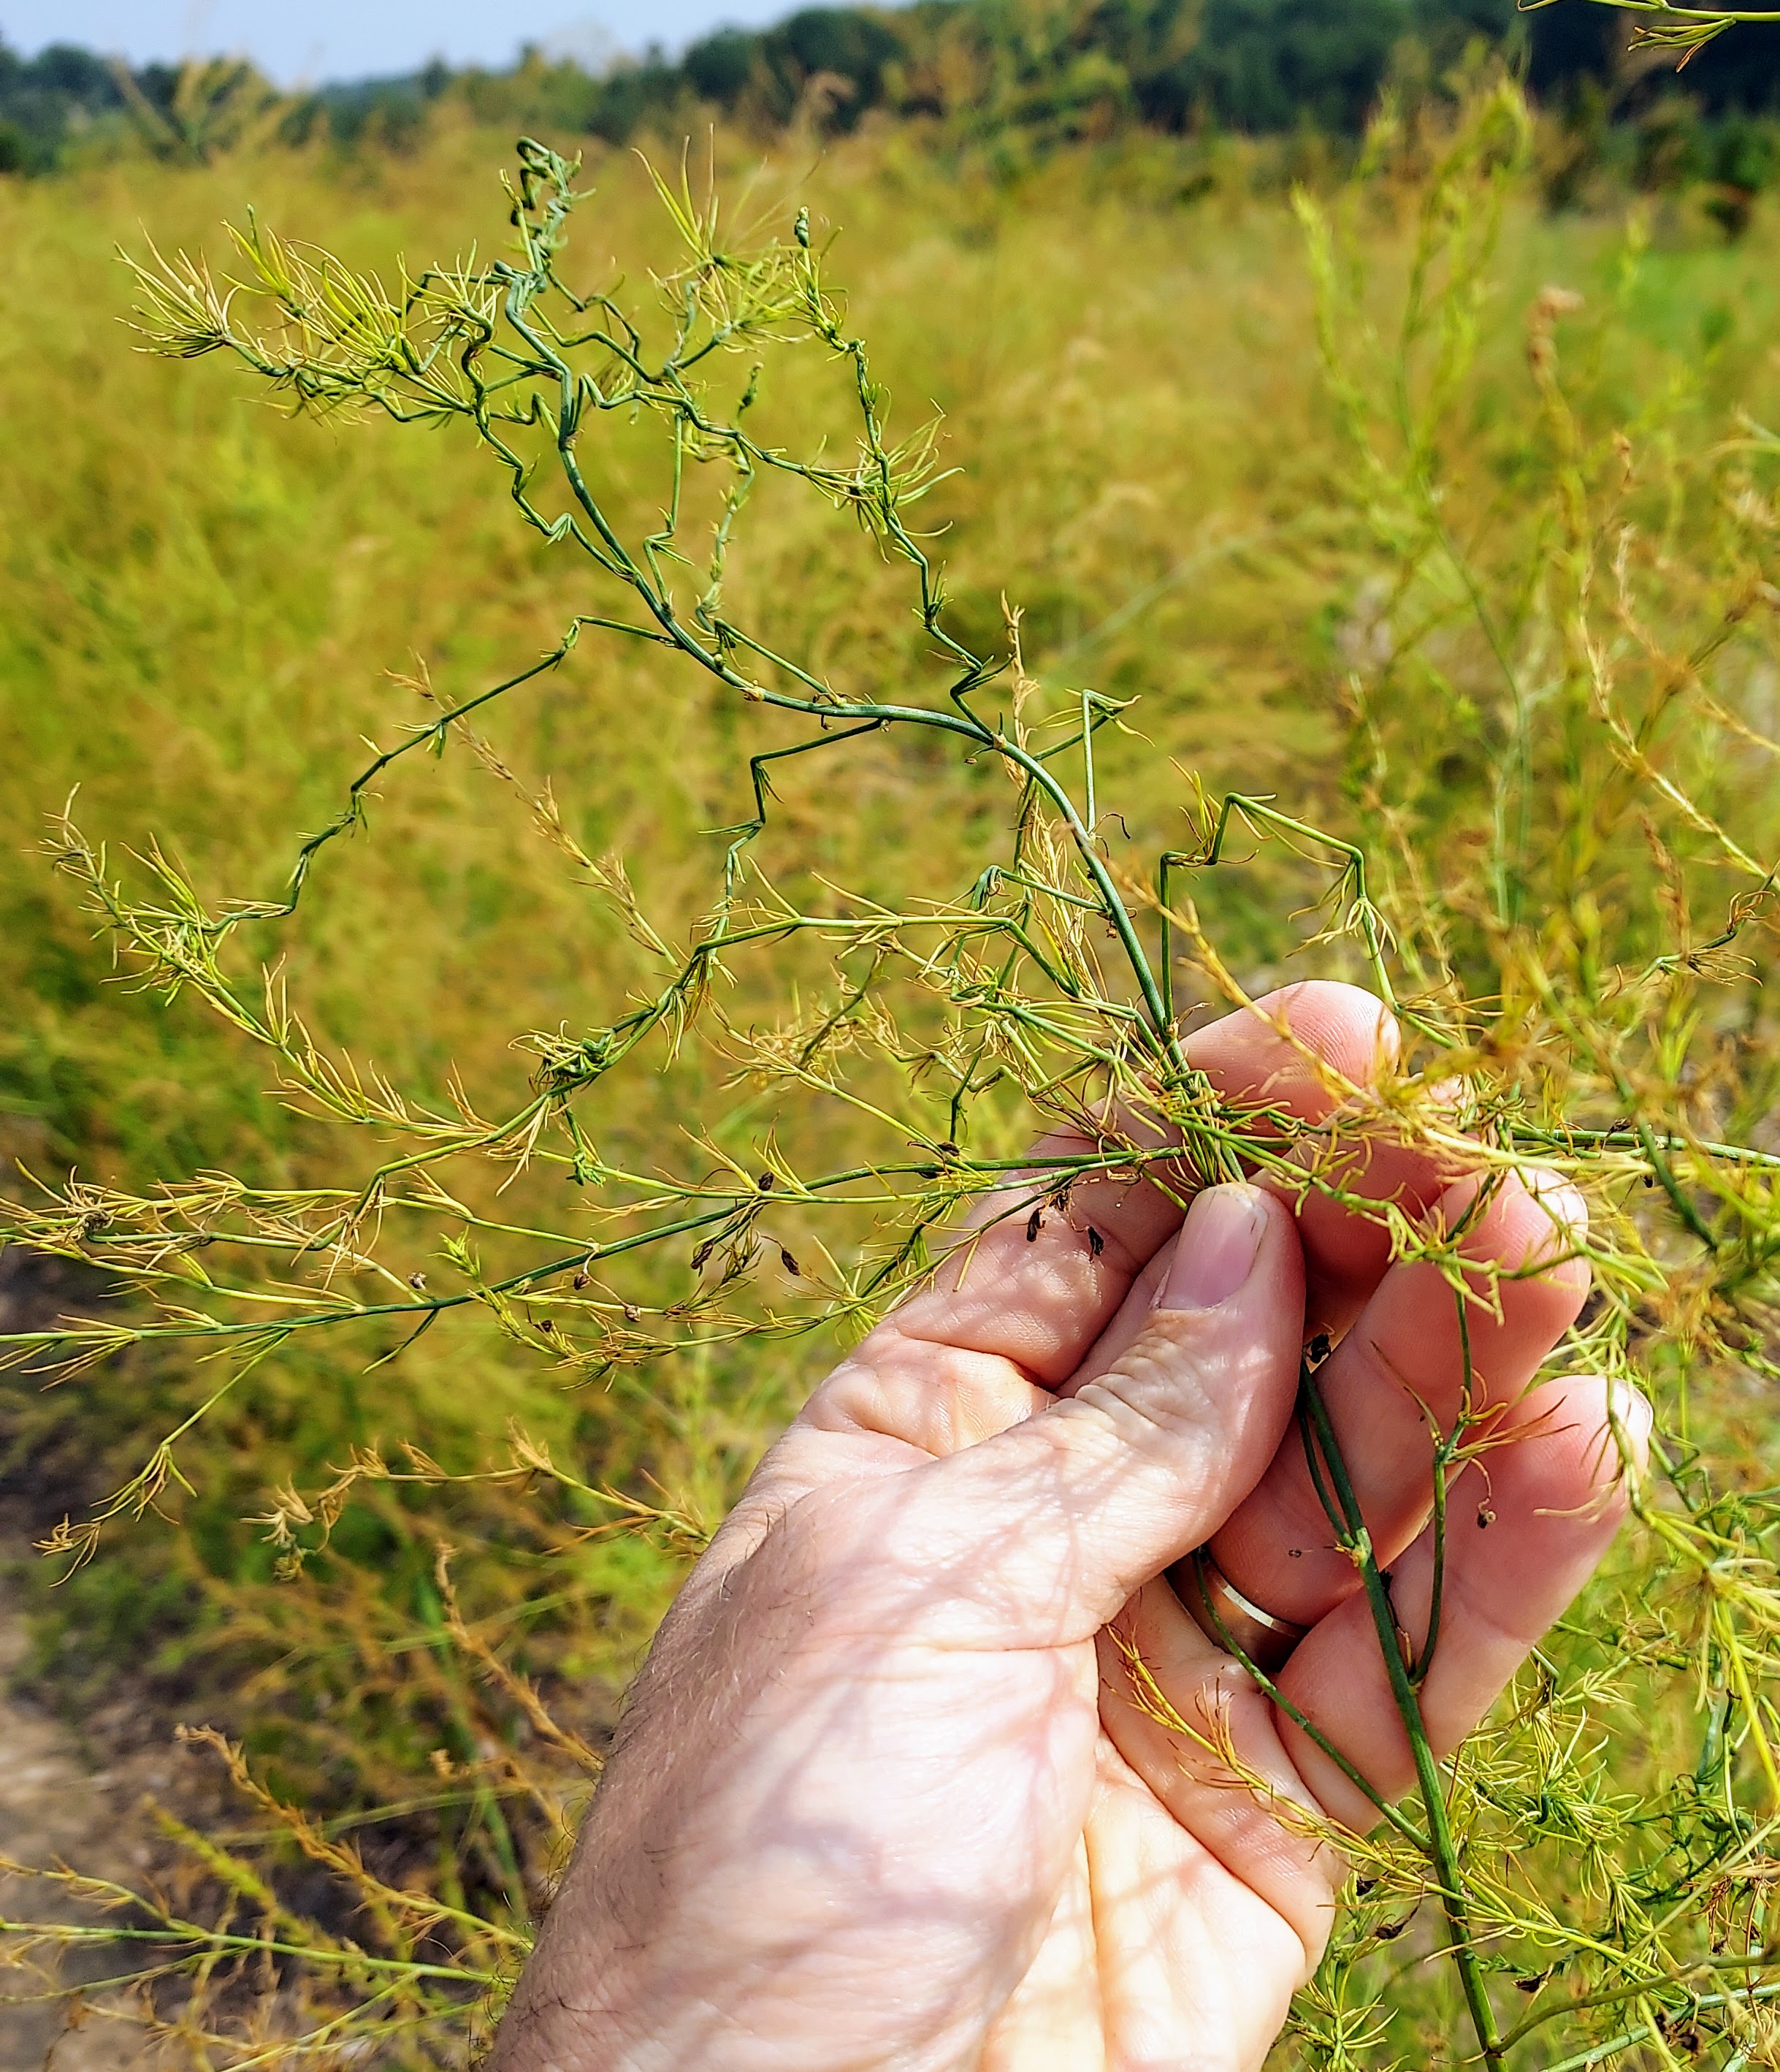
[(884, 1796)]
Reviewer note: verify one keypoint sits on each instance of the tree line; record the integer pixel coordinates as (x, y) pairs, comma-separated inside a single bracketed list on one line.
[(1041, 71)]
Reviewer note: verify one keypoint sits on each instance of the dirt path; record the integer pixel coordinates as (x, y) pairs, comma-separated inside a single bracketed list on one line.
[(52, 1808)]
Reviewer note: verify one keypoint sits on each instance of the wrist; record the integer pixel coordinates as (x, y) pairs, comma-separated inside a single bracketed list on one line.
[(564, 2016), (725, 1984)]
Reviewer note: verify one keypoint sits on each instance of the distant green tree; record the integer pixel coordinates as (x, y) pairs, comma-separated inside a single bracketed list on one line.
[(851, 48), (43, 97)]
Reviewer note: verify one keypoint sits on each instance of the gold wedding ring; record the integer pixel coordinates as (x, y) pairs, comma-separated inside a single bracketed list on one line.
[(1229, 1620)]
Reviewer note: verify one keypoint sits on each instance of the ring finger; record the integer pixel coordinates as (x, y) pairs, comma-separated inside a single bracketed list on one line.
[(1558, 1501)]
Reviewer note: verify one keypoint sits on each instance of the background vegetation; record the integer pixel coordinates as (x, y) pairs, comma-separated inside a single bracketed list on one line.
[(1010, 77), (203, 607)]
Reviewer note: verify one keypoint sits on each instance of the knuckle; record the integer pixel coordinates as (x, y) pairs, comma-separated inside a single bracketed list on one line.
[(1169, 1382)]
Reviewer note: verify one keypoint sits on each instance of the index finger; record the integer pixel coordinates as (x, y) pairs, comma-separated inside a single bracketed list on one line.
[(1040, 1295)]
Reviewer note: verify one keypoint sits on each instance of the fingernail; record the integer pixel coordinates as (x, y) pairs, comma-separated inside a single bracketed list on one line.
[(1565, 1203), (1631, 1410), (1217, 1249)]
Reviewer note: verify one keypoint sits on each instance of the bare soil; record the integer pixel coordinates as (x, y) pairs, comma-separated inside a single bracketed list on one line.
[(57, 1807), (55, 1810)]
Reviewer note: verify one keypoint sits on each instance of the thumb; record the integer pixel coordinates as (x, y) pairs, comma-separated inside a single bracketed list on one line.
[(1052, 1524)]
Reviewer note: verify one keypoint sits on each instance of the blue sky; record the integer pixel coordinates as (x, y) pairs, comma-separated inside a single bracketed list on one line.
[(301, 42)]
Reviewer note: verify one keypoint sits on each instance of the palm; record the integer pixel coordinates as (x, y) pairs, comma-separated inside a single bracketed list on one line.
[(1017, 1821), (1157, 1950)]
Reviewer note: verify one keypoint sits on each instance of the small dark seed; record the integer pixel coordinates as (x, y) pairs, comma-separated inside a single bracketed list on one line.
[(545, 1323), (1486, 1517), (1295, 1553), (788, 1264), (948, 1149), (416, 1280), (1035, 1223), (764, 1183), (581, 1279), (1097, 1245), (631, 1312)]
